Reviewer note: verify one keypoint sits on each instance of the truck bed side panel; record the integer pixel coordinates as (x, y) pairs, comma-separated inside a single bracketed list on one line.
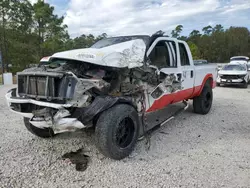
[(202, 74)]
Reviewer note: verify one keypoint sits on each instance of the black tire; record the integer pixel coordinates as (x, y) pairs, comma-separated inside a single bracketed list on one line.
[(245, 85), (218, 84), (203, 103), (43, 133), (117, 131)]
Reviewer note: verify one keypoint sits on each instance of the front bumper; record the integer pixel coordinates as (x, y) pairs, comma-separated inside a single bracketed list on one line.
[(59, 122), (230, 81)]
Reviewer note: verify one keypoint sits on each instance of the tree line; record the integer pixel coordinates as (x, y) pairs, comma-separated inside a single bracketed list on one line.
[(29, 32), (216, 44)]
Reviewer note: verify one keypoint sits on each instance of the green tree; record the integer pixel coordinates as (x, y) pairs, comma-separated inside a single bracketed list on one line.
[(195, 33), (85, 41), (218, 28), (207, 30), (22, 17), (51, 32), (238, 41), (177, 31), (5, 16), (194, 50)]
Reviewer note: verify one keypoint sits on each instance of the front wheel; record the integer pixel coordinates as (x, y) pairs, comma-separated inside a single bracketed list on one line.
[(245, 85), (203, 103), (43, 133), (117, 131)]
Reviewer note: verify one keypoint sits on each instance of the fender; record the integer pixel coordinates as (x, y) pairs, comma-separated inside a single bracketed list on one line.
[(198, 89), (100, 104)]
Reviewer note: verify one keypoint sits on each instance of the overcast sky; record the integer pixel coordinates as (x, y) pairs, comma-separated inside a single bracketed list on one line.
[(123, 17)]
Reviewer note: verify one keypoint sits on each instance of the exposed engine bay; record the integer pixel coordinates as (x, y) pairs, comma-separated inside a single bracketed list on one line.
[(86, 89)]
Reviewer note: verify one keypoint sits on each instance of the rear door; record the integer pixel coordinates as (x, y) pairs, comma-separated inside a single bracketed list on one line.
[(187, 68)]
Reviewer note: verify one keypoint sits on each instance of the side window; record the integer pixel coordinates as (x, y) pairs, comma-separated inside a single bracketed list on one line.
[(183, 55), (163, 56)]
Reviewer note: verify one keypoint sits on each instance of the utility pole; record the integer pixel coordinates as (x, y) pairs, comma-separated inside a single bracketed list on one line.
[(3, 39), (1, 61)]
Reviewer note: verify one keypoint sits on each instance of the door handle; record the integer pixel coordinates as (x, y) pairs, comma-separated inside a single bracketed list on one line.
[(179, 75), (192, 73)]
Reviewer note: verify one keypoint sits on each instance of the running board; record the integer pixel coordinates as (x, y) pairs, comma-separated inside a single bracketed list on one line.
[(176, 113), (157, 126)]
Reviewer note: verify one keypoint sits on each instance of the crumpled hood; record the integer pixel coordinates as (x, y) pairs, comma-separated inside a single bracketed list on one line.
[(127, 54), (229, 72)]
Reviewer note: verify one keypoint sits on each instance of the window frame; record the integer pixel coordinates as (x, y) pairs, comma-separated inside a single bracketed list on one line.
[(186, 54), (173, 56)]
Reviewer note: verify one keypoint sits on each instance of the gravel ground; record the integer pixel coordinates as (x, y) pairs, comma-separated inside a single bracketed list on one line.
[(189, 151)]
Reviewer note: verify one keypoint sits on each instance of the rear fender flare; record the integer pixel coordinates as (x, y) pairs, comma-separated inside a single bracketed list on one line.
[(208, 79)]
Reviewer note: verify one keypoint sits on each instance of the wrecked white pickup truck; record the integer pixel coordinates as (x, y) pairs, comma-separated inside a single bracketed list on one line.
[(114, 86)]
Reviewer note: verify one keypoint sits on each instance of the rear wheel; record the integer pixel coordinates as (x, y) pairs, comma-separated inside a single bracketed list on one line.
[(218, 84), (43, 133), (203, 103), (117, 131)]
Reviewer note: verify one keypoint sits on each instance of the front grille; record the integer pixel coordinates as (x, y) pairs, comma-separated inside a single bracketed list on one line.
[(46, 85), (37, 86), (230, 77)]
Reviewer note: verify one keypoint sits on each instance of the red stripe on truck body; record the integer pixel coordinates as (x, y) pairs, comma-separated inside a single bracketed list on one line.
[(180, 95)]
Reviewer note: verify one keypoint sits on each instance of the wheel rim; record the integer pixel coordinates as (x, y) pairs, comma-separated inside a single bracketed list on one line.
[(125, 133), (207, 100)]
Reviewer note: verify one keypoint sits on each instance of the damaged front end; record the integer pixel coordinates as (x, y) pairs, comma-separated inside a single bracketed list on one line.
[(67, 95)]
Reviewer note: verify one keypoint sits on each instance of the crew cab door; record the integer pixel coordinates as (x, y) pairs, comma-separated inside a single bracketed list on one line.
[(163, 55), (176, 72), (187, 67)]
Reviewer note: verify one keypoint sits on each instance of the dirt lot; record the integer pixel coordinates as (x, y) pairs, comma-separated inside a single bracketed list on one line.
[(189, 151)]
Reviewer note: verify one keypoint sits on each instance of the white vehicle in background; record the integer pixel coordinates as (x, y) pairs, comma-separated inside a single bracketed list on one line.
[(239, 59), (219, 66), (200, 62), (233, 74)]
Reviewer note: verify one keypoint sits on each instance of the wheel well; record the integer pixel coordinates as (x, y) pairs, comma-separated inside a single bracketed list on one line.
[(95, 119), (210, 81)]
